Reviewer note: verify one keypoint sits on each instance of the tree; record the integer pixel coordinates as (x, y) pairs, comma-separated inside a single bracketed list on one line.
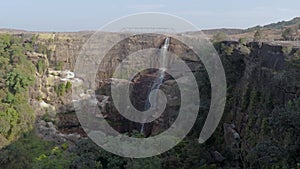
[(9, 120), (68, 86), (242, 41), (60, 89), (42, 49), (59, 65), (258, 36), (218, 37), (58, 158), (289, 33), (16, 51), (294, 61), (18, 80), (16, 75), (41, 66), (91, 155), (287, 119), (287, 49), (4, 44), (227, 49), (9, 98), (146, 163)]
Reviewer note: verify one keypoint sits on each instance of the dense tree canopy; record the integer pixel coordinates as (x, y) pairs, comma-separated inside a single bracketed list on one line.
[(16, 76)]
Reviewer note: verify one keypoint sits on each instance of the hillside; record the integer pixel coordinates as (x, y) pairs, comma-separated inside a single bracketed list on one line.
[(271, 32), (283, 24)]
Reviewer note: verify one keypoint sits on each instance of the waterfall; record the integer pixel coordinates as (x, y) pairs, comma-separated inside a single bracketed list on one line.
[(159, 80)]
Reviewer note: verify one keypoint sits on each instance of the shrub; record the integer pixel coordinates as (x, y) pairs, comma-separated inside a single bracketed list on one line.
[(242, 41), (287, 49), (227, 50), (60, 89), (59, 65), (68, 86), (218, 37), (289, 33), (258, 36), (41, 66), (245, 50)]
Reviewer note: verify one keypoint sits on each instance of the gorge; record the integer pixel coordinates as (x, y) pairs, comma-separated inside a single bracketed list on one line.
[(259, 128)]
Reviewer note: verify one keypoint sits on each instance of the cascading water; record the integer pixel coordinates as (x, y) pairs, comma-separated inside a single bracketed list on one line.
[(159, 80)]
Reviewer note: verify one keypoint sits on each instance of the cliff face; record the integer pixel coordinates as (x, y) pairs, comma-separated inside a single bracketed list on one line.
[(266, 81), (63, 48), (267, 75), (67, 48), (263, 67), (263, 83)]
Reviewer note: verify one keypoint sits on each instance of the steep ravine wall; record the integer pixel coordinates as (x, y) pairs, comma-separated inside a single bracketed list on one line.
[(266, 80), (259, 69), (260, 78)]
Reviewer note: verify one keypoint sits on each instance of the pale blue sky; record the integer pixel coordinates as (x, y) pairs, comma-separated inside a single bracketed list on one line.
[(75, 15)]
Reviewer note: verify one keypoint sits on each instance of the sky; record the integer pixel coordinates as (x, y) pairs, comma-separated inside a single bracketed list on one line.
[(76, 15)]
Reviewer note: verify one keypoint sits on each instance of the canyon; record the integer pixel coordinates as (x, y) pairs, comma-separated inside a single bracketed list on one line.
[(263, 82)]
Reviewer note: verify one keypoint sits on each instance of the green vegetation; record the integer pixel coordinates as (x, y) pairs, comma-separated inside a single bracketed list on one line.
[(287, 49), (245, 50), (63, 88), (41, 48), (148, 163), (289, 33), (68, 86), (242, 41), (58, 158), (32, 152), (16, 76), (243, 46), (294, 60), (258, 36), (41, 66), (47, 117), (59, 65), (227, 49), (19, 79), (218, 37), (60, 89)]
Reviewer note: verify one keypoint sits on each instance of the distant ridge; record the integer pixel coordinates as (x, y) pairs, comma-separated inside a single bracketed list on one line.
[(282, 24), (20, 31), (7, 30), (228, 31), (279, 25)]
